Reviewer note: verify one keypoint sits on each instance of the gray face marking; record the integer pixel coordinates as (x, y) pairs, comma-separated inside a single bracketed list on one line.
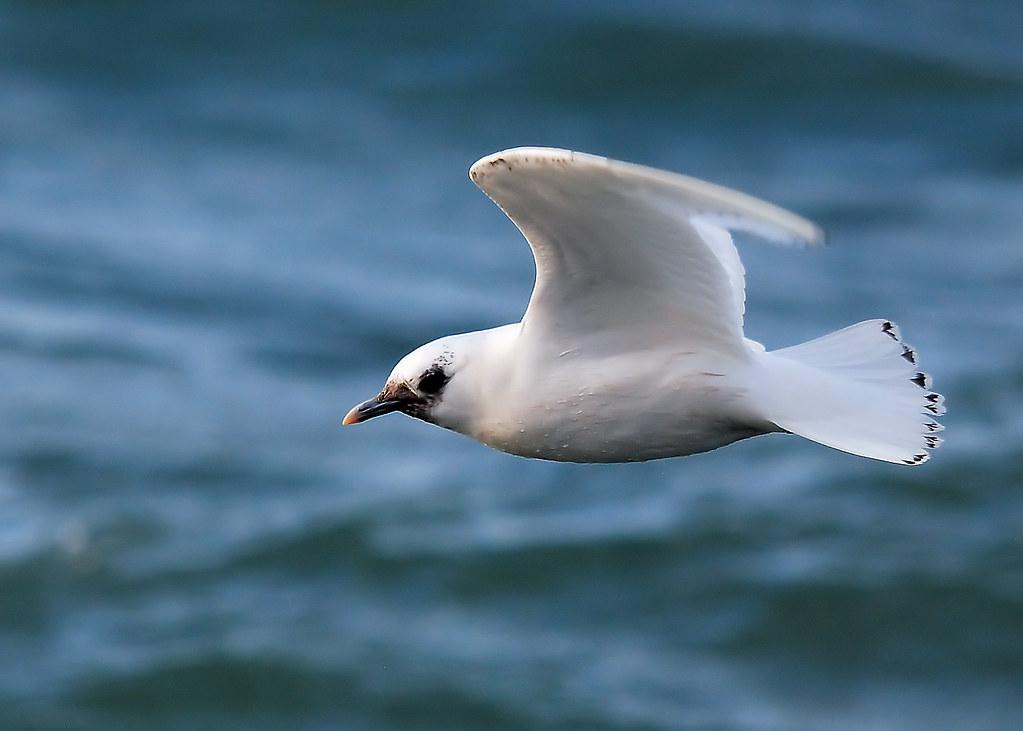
[(418, 399)]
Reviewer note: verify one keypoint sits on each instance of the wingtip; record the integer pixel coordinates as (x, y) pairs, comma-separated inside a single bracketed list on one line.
[(488, 162), (821, 236)]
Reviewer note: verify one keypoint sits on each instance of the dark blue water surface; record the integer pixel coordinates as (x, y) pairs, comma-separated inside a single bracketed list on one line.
[(222, 223)]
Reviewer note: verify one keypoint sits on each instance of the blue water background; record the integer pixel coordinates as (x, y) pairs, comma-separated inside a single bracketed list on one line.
[(222, 223)]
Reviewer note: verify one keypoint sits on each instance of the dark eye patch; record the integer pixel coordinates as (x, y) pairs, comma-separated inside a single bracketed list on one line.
[(432, 381)]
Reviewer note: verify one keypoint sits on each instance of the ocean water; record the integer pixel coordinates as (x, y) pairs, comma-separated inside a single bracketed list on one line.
[(222, 223)]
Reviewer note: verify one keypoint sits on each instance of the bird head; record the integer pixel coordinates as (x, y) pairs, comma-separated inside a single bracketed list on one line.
[(426, 384)]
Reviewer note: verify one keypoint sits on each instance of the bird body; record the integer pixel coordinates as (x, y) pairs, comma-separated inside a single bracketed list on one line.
[(618, 407), (632, 347)]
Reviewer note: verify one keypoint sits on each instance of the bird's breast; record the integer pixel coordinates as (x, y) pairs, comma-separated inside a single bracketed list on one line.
[(620, 421)]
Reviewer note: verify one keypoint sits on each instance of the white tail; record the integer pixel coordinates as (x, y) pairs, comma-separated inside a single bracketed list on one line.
[(858, 390)]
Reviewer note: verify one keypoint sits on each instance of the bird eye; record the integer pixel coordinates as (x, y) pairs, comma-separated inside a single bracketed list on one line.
[(432, 381)]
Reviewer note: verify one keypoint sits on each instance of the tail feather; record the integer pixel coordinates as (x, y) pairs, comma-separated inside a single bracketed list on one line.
[(858, 390)]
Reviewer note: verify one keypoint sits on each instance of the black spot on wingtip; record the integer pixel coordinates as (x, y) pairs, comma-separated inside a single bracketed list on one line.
[(889, 329), (909, 354), (921, 379), (916, 459), (499, 161)]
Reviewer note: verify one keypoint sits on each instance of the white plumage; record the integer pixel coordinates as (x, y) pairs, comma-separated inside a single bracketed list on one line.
[(632, 346)]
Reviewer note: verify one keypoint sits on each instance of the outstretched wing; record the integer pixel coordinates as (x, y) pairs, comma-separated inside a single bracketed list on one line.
[(630, 256)]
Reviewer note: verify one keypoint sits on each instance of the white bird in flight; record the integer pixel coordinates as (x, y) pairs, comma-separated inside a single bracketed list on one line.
[(632, 346)]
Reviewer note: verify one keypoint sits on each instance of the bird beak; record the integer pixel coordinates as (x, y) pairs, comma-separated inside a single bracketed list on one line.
[(375, 406)]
